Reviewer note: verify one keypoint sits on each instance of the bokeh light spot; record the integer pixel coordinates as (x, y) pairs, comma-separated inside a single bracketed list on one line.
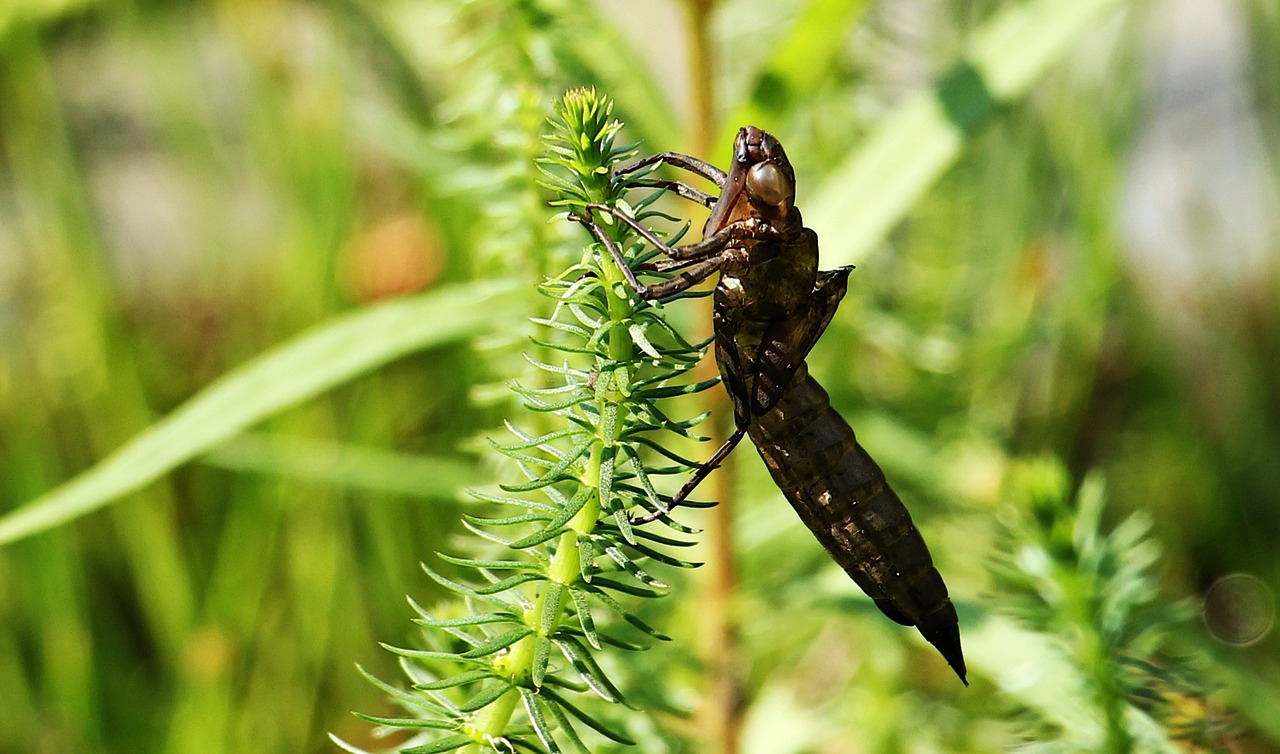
[(1239, 609)]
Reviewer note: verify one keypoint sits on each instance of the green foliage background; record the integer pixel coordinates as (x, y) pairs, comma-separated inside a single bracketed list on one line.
[(230, 197)]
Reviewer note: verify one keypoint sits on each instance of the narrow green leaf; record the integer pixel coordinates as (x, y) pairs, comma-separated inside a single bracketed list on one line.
[(629, 565), (619, 586), (642, 476), (575, 391), (586, 558), (582, 661), (527, 442), (671, 391), (424, 654), (556, 525), (516, 565), (498, 643), (662, 557), (485, 697), (563, 369), (490, 497), (588, 720), (537, 462), (485, 534), (553, 602), (533, 707), (465, 590), (566, 727), (606, 640), (608, 501), (444, 744), (548, 532), (611, 603), (583, 610), (577, 310), (555, 472), (408, 722), (561, 682), (508, 583), (326, 356), (623, 522), (468, 620), (641, 339), (650, 536), (412, 701), (528, 518), (639, 439), (461, 679), (541, 658), (577, 331)]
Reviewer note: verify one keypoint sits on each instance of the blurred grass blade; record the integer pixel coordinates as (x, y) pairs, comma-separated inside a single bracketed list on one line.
[(797, 65), (876, 186), (285, 376), (353, 466)]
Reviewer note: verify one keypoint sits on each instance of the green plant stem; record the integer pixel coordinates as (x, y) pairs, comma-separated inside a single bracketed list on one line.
[(565, 568), (566, 563)]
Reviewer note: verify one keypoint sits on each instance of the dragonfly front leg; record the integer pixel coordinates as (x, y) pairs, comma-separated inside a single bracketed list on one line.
[(680, 188), (666, 265), (691, 252), (695, 274), (677, 160), (751, 228)]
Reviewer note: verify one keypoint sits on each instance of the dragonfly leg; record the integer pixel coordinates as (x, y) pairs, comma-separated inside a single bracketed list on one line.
[(677, 160), (681, 189), (695, 274), (703, 471), (666, 265), (700, 250), (709, 246), (614, 252)]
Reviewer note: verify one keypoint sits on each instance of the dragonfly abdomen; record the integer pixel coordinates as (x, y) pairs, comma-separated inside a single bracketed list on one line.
[(842, 496)]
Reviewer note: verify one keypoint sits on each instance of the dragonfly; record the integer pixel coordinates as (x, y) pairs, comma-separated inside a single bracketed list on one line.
[(770, 306)]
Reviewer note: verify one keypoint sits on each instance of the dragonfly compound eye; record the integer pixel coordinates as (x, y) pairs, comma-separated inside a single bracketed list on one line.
[(768, 185)]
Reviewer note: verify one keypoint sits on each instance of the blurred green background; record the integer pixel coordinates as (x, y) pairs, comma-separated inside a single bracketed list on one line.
[(185, 185)]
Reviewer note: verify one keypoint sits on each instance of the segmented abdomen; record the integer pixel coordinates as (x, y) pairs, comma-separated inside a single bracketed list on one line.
[(842, 496)]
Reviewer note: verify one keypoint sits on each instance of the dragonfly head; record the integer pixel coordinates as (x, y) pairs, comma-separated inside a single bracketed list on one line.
[(760, 183)]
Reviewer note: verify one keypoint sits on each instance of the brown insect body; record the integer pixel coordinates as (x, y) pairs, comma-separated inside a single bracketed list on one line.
[(842, 496), (770, 307)]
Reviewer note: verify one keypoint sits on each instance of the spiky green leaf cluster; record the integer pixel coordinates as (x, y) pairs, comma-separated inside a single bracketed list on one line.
[(1062, 572), (520, 666), (1095, 591), (581, 150)]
